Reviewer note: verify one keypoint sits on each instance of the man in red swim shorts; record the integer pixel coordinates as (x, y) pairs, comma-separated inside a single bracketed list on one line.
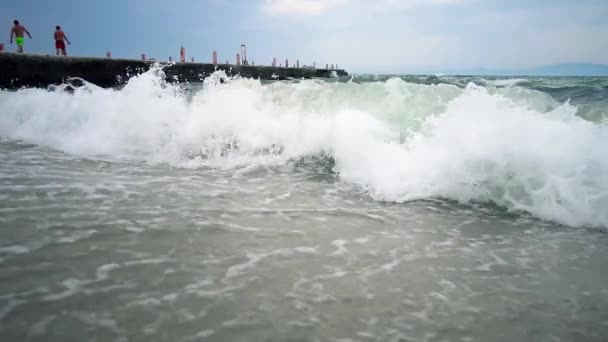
[(60, 39)]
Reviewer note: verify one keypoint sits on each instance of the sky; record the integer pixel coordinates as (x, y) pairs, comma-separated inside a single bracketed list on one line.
[(363, 36)]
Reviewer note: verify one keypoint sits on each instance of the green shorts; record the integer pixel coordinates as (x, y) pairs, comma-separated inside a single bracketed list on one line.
[(19, 41)]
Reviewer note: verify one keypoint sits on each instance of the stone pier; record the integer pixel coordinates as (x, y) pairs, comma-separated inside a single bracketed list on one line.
[(23, 70)]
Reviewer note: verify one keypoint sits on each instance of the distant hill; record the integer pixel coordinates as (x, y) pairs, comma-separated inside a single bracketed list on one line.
[(569, 69), (565, 69)]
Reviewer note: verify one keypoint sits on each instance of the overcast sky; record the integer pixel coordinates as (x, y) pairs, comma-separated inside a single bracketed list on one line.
[(359, 35)]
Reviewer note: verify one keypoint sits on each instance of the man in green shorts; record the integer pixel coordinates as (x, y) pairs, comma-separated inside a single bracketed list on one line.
[(18, 31)]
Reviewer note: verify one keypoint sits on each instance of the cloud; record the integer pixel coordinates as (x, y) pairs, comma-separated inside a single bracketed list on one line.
[(300, 7), (407, 4), (438, 35), (320, 7)]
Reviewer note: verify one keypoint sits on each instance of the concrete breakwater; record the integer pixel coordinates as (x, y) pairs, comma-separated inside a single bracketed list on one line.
[(19, 70)]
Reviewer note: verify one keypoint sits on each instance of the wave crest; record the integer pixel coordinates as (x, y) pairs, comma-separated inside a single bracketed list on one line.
[(399, 141)]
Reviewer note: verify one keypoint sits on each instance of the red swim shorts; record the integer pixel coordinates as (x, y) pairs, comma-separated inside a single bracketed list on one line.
[(60, 44)]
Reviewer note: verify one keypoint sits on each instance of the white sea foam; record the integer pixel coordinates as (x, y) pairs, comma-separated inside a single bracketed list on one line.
[(14, 249), (509, 82), (399, 141)]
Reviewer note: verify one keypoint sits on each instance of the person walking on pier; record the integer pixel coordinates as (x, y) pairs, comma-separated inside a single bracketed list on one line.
[(18, 31), (60, 39)]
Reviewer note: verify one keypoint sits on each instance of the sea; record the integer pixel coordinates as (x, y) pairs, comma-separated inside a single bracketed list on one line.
[(363, 208)]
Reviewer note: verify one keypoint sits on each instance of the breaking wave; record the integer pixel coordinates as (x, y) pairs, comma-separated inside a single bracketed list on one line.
[(400, 141)]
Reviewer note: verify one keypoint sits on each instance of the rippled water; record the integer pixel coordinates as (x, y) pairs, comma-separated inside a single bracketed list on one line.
[(142, 242)]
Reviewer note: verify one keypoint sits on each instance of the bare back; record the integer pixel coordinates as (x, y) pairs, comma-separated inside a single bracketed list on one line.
[(59, 35), (19, 30)]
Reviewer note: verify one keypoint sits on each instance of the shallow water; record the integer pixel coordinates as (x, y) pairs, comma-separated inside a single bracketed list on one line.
[(250, 212)]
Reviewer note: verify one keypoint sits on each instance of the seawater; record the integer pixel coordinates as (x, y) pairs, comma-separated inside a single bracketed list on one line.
[(371, 208)]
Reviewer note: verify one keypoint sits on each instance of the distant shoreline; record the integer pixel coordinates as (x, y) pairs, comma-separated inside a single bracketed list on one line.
[(556, 70)]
